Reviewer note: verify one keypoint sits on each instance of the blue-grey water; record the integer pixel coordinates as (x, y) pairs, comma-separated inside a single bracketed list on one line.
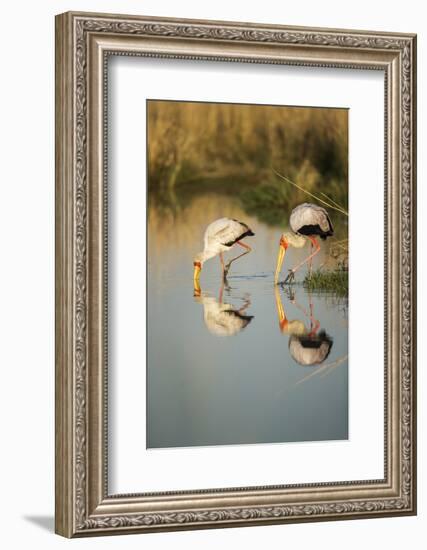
[(243, 362)]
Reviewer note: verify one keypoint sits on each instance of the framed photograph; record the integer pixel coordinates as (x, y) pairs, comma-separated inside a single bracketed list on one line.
[(235, 274)]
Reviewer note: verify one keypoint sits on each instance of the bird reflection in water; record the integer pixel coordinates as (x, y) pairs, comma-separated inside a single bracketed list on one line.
[(222, 319), (307, 346)]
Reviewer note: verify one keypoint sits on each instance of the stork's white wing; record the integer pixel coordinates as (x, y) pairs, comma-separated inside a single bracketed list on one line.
[(309, 214), (224, 230), (222, 319), (308, 356)]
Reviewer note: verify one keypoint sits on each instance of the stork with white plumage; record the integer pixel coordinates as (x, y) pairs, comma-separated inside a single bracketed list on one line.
[(220, 236), (307, 346), (307, 222), (221, 318)]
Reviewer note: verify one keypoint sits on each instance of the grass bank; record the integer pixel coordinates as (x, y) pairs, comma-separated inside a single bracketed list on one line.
[(335, 281)]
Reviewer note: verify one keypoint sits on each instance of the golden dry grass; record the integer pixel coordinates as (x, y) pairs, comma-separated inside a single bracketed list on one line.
[(194, 142)]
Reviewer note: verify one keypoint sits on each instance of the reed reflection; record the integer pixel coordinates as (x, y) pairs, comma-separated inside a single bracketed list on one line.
[(308, 345), (222, 318)]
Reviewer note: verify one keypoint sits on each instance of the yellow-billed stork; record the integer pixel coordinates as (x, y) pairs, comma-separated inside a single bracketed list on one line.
[(220, 236), (308, 347), (307, 222), (221, 318)]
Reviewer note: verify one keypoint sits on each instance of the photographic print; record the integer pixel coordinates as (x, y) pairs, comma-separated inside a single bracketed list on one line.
[(218, 185), (247, 290)]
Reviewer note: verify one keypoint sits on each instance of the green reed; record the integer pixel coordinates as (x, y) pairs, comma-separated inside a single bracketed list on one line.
[(334, 281)]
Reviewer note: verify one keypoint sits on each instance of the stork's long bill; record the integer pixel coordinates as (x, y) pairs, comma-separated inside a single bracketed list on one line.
[(280, 257), (196, 275)]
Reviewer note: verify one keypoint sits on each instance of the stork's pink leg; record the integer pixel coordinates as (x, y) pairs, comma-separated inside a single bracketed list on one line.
[(221, 259), (247, 250), (310, 263), (310, 305), (314, 328), (314, 323), (245, 305), (316, 251), (221, 290)]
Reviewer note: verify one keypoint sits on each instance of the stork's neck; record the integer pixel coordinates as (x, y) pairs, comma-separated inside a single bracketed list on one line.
[(294, 240), (207, 253)]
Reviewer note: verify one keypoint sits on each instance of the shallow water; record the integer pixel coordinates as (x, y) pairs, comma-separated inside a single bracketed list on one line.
[(242, 362)]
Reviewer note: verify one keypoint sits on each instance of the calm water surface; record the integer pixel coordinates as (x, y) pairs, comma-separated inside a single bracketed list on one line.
[(243, 362)]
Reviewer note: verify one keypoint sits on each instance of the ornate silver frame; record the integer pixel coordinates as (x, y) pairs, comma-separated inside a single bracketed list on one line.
[(83, 42)]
